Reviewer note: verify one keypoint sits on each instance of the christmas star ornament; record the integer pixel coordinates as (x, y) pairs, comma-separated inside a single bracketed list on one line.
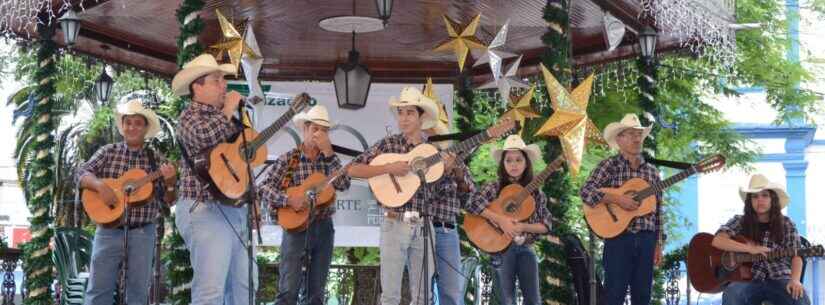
[(493, 54), (442, 109), (569, 121), (252, 65), (521, 110), (462, 39), (232, 43), (507, 81)]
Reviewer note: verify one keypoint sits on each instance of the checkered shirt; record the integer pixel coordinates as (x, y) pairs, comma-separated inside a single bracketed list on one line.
[(480, 199), (111, 161), (200, 128), (453, 193), (273, 196), (613, 172), (778, 269)]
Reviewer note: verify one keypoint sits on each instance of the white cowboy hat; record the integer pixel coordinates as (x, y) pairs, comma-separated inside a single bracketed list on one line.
[(134, 105), (760, 183), (200, 66), (629, 120), (514, 142), (317, 114), (413, 97)]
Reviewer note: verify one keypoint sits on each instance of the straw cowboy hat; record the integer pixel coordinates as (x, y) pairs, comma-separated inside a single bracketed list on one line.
[(514, 142), (132, 106), (200, 66), (760, 183), (317, 114), (413, 97), (629, 120)]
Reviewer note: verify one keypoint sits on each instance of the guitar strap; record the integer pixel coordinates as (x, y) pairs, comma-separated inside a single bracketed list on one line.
[(665, 163), (294, 158), (153, 166)]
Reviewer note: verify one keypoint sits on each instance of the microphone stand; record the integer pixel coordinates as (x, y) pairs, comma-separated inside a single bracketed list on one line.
[(591, 265), (306, 258), (124, 267), (251, 207), (428, 239)]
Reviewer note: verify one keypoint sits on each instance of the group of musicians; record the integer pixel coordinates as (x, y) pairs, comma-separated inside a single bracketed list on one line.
[(213, 231)]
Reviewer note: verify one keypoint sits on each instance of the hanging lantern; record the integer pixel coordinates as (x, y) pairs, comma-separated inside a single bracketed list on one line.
[(70, 24), (352, 81), (103, 86), (647, 42), (384, 10)]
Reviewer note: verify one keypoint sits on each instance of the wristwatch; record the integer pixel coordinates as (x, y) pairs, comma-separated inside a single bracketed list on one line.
[(170, 188)]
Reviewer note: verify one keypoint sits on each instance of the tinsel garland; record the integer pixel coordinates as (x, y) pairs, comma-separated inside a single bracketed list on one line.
[(555, 275), (177, 256), (37, 258)]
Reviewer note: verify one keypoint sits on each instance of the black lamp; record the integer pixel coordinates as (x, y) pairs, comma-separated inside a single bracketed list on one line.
[(352, 81), (70, 24), (103, 86), (384, 10), (647, 42)]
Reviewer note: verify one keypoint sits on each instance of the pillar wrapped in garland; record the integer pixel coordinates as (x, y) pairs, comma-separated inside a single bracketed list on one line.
[(177, 256), (556, 277), (37, 260)]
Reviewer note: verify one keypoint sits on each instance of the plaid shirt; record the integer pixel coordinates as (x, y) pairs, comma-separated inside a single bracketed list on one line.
[(778, 269), (111, 161), (479, 200), (273, 196), (201, 127), (453, 189), (613, 172), (398, 144)]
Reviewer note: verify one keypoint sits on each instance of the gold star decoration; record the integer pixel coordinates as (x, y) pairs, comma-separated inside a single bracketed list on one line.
[(521, 110), (442, 109), (569, 121), (462, 39), (232, 43)]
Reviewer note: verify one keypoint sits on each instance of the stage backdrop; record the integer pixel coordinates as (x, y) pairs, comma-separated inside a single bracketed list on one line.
[(358, 215)]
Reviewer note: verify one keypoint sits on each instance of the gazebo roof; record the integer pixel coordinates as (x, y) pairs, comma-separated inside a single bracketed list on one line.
[(144, 34)]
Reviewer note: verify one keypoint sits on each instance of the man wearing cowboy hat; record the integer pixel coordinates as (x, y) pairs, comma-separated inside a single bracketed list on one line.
[(630, 256), (292, 169), (210, 229), (402, 244), (776, 280), (136, 124)]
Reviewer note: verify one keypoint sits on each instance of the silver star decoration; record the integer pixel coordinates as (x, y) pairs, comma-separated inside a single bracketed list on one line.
[(494, 55), (252, 65), (507, 81)]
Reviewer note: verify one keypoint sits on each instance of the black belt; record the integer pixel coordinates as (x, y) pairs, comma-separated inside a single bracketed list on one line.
[(448, 225), (133, 226)]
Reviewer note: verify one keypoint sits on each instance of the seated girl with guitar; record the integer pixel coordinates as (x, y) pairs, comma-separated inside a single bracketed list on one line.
[(518, 261), (776, 280)]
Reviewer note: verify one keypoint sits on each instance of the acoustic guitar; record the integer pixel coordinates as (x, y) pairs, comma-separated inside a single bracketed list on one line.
[(321, 185), (224, 164), (710, 269), (395, 191), (610, 219), (135, 181), (514, 202)]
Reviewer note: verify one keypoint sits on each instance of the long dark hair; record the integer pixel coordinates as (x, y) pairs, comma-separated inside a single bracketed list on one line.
[(750, 224), (504, 177)]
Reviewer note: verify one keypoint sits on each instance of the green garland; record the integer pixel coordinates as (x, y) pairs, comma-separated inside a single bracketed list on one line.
[(177, 256), (37, 258), (556, 275)]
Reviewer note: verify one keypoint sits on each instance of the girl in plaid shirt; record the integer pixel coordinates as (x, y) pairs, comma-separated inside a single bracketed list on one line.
[(762, 222)]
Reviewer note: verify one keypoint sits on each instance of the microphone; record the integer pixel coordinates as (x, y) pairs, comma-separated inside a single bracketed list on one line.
[(249, 100), (310, 194)]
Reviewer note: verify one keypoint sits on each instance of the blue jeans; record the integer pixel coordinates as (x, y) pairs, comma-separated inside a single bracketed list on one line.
[(628, 260), (518, 262), (746, 293), (402, 245), (322, 236), (107, 256), (450, 281), (218, 257)]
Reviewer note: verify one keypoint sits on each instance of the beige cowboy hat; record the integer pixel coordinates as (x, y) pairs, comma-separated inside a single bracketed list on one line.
[(760, 183), (132, 106), (629, 120), (317, 114), (200, 66), (413, 97), (514, 142)]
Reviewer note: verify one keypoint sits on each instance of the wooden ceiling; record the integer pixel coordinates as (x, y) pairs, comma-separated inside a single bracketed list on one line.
[(144, 34)]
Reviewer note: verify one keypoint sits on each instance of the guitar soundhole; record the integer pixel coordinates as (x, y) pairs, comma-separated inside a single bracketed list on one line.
[(510, 207), (418, 165), (728, 261)]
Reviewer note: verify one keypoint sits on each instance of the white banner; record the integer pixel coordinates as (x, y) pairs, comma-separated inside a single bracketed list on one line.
[(358, 215)]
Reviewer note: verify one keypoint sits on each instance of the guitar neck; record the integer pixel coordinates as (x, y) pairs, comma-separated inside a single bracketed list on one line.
[(464, 146), (775, 254), (538, 181), (148, 179), (664, 184), (270, 131)]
